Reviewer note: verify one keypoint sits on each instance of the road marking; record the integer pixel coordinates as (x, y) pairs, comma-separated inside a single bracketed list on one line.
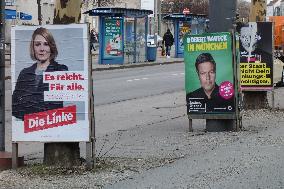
[(137, 79), (145, 78), (177, 74)]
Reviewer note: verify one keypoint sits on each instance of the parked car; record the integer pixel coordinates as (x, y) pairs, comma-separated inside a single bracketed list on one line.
[(151, 40)]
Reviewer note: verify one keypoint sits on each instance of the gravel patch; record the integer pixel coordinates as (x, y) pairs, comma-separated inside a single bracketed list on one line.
[(125, 154)]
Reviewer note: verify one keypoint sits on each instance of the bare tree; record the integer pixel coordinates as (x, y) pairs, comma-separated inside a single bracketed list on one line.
[(177, 6), (199, 7), (102, 3), (243, 9)]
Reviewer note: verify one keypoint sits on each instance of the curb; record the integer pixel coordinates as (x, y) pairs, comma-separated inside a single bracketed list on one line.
[(135, 65)]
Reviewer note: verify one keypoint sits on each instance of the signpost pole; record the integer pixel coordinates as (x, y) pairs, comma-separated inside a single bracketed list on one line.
[(2, 78), (236, 79), (220, 23)]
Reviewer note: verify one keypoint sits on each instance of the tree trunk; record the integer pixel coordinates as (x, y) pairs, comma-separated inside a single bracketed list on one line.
[(256, 99), (257, 10), (66, 154), (62, 154), (67, 12)]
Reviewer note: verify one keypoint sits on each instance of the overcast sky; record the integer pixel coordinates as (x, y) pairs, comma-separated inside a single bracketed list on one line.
[(266, 0)]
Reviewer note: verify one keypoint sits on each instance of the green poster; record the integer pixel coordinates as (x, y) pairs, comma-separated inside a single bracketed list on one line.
[(113, 38), (209, 78)]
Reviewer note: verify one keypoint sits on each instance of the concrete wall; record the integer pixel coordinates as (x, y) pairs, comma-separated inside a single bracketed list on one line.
[(47, 11), (29, 7)]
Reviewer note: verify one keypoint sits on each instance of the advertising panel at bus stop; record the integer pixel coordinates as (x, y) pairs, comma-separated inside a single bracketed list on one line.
[(113, 38), (50, 84), (209, 75)]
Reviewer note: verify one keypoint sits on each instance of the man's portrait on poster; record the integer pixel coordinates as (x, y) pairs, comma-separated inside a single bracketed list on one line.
[(210, 97), (251, 39), (28, 95)]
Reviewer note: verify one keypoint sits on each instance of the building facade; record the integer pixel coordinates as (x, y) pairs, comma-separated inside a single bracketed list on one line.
[(47, 8), (275, 8)]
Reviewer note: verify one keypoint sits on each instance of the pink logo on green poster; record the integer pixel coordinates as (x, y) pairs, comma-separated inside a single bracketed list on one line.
[(226, 90)]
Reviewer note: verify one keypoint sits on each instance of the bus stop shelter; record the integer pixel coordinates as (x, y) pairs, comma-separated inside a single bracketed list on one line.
[(184, 23), (122, 34)]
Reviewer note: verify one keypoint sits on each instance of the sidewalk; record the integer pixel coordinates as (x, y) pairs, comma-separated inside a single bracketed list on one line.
[(163, 149), (160, 60)]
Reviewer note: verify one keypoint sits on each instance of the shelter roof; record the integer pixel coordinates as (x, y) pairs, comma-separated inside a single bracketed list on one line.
[(181, 16), (119, 12)]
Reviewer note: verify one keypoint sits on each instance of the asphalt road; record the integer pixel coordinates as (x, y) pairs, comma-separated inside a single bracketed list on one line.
[(146, 135), (113, 86), (124, 98), (128, 98)]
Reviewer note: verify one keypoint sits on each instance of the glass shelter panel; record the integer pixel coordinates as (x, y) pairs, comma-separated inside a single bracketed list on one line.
[(129, 42), (140, 40)]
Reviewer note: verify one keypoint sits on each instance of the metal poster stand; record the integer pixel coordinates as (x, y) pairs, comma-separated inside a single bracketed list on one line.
[(236, 119)]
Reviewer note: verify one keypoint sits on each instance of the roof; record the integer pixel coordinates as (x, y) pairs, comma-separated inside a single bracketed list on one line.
[(119, 12), (271, 3), (181, 16)]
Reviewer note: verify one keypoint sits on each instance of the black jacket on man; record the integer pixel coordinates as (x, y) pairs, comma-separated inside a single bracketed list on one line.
[(28, 96), (215, 104), (168, 38)]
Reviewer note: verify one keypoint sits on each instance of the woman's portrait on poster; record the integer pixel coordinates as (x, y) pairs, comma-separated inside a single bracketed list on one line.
[(28, 96)]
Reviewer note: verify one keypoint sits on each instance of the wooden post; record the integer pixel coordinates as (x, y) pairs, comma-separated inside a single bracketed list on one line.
[(90, 146), (14, 155), (236, 122), (190, 129), (272, 99), (89, 158)]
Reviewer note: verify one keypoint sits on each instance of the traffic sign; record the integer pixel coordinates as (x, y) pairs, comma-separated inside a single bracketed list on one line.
[(185, 11)]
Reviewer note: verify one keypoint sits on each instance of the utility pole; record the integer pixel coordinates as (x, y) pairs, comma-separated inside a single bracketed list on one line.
[(221, 20), (2, 77), (156, 16), (39, 12), (159, 18)]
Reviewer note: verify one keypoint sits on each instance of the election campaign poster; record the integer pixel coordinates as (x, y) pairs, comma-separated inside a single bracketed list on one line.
[(209, 76), (256, 60), (50, 83)]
